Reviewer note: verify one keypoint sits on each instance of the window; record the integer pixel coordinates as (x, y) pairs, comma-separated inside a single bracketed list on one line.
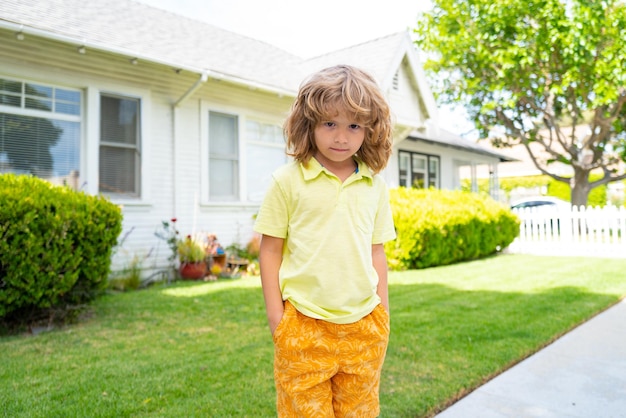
[(418, 170), (223, 157), (40, 131), (433, 172), (120, 151), (265, 151)]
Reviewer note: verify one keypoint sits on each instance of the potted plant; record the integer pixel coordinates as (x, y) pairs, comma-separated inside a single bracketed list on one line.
[(217, 255), (191, 255)]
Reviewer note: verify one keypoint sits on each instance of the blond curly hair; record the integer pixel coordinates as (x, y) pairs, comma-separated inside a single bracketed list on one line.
[(356, 92)]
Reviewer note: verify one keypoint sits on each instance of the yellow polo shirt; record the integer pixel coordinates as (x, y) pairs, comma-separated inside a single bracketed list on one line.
[(329, 228)]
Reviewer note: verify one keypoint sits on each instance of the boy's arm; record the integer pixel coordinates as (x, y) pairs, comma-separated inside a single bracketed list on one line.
[(270, 259), (379, 259)]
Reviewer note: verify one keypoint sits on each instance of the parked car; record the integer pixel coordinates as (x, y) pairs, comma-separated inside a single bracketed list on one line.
[(541, 212), (541, 203)]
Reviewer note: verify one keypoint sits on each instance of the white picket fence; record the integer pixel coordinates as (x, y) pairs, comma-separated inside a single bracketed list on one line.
[(590, 231)]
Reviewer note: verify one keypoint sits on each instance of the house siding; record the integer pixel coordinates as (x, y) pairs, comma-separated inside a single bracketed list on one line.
[(174, 133), (171, 182), (231, 221), (405, 100)]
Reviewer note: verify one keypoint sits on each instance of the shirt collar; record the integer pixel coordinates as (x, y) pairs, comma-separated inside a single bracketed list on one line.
[(313, 169)]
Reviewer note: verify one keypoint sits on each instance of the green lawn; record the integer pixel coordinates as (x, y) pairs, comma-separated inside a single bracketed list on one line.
[(204, 349)]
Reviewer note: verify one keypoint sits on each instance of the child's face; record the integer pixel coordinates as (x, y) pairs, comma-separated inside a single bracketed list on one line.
[(338, 139)]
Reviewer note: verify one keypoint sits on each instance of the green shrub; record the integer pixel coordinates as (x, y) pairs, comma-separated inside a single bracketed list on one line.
[(55, 246), (439, 227)]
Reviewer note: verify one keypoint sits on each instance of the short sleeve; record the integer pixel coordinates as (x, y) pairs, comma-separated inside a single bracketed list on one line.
[(273, 216)]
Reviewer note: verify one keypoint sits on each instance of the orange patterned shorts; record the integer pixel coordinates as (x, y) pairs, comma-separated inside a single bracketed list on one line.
[(323, 369)]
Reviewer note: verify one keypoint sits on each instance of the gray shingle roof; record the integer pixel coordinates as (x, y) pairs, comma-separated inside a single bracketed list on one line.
[(449, 139), (146, 32), (142, 31)]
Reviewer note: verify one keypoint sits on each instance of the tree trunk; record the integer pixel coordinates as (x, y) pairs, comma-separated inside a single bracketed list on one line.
[(580, 187)]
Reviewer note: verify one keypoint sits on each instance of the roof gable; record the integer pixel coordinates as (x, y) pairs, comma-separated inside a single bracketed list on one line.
[(376, 57), (148, 33), (383, 58)]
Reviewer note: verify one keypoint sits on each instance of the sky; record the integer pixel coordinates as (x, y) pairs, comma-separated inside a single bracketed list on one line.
[(305, 29)]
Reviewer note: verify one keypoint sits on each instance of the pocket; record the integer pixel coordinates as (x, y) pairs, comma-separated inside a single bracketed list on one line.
[(363, 212), (382, 317), (281, 323), (382, 308)]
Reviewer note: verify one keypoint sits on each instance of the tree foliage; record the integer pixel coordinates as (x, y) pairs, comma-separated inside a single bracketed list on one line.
[(546, 72)]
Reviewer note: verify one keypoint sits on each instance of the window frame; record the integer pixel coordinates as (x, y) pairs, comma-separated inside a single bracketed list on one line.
[(428, 178), (90, 126), (205, 158), (242, 118), (24, 110), (92, 138), (137, 147)]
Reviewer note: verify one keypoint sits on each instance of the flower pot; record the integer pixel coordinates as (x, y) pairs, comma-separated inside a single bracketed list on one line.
[(193, 271)]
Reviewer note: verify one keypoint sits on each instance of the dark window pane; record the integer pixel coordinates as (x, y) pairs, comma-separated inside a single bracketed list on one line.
[(118, 171), (10, 86), (120, 159), (39, 104), (119, 120), (8, 100)]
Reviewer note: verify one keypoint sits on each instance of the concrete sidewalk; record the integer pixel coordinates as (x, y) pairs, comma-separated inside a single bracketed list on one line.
[(582, 374)]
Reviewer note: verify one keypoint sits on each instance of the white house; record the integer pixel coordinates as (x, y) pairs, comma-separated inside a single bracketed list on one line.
[(172, 117)]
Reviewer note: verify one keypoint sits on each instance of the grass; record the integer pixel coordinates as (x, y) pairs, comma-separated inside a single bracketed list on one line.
[(204, 349)]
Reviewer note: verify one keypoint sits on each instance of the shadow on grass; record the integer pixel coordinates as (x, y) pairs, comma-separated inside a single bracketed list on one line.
[(196, 350)]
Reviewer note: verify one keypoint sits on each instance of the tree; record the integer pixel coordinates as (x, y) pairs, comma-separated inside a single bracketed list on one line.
[(548, 72)]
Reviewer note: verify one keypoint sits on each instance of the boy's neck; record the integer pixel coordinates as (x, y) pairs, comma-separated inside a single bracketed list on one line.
[(342, 169)]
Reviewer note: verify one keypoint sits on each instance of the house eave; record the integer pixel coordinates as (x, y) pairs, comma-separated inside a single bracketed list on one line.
[(502, 158), (133, 55)]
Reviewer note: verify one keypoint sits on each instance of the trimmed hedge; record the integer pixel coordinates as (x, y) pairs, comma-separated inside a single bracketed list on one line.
[(55, 246), (439, 227)]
